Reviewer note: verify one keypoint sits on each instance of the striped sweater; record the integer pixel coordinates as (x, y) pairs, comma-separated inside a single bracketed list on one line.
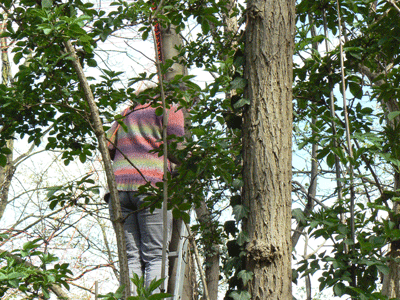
[(143, 134)]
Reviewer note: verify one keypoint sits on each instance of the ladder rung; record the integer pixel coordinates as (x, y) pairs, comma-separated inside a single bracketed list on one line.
[(173, 254)]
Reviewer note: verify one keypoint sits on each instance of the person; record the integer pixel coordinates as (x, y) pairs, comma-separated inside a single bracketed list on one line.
[(133, 145)]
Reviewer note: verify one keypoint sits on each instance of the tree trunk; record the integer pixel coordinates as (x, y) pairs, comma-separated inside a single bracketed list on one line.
[(267, 141), (6, 174), (169, 40)]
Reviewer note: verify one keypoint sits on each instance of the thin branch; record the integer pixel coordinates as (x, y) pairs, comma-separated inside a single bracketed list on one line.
[(199, 266), (99, 131), (393, 3), (165, 153)]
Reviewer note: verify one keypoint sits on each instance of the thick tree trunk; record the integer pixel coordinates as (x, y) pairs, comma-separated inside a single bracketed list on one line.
[(267, 141)]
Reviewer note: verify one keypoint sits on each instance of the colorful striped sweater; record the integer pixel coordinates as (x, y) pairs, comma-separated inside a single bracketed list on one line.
[(143, 134)]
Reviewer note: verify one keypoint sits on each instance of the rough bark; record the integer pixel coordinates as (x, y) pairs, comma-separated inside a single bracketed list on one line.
[(101, 137), (6, 174), (267, 141)]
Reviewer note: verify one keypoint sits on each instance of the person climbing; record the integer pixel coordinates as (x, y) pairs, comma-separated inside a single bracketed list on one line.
[(134, 163)]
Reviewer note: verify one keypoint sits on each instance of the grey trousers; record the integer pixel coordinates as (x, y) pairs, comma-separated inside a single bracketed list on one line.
[(144, 237)]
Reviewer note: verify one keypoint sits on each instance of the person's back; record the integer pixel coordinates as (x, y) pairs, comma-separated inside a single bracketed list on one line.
[(134, 164)]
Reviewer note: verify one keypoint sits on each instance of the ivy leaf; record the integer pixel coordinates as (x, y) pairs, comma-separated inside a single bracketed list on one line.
[(238, 83), (242, 102), (242, 238), (242, 295), (246, 276), (240, 212)]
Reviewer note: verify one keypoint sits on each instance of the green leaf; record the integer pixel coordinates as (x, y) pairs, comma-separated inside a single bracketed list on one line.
[(159, 111), (242, 295), (53, 204), (47, 3), (159, 296), (3, 160), (238, 83), (185, 206), (31, 245), (82, 157), (17, 57), (145, 35), (6, 151), (51, 190), (46, 294), (47, 31), (330, 160), (393, 115), (185, 217), (298, 214), (91, 62), (240, 212), (383, 268), (15, 275), (242, 238), (246, 276), (242, 102), (339, 289)]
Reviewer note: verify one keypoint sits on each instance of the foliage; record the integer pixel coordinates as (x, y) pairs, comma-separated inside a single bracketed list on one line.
[(356, 262), (143, 292), (33, 281)]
